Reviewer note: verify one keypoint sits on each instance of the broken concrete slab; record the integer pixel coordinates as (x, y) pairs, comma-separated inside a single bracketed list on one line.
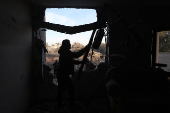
[(70, 29)]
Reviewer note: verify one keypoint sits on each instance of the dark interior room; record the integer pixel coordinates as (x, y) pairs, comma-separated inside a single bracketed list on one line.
[(134, 77)]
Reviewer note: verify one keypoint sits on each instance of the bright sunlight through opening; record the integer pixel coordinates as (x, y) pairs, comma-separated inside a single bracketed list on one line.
[(69, 17)]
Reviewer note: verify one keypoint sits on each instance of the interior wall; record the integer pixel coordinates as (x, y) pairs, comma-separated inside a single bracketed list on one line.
[(145, 20), (15, 56), (141, 59)]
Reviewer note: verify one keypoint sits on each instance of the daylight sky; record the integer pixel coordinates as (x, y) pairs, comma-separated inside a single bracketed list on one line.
[(69, 17)]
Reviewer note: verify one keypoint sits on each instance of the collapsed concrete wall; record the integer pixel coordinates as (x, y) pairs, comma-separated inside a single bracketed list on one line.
[(16, 54)]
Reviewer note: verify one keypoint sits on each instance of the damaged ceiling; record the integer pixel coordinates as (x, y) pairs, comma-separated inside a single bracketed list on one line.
[(98, 3), (153, 13)]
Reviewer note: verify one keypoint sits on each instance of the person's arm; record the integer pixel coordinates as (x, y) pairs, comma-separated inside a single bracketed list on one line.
[(79, 53), (77, 62)]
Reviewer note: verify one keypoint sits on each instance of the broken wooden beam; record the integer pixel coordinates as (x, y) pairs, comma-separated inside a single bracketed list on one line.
[(70, 29)]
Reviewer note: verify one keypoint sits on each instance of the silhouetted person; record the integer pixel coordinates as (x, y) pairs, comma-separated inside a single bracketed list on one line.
[(55, 65), (66, 68)]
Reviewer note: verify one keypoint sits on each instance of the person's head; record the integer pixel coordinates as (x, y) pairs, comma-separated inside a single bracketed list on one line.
[(66, 44)]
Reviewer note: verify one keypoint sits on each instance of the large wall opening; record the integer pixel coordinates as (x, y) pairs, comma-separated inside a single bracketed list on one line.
[(71, 17)]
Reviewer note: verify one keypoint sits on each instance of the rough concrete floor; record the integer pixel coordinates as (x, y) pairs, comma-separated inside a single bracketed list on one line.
[(48, 106), (132, 103), (157, 104)]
